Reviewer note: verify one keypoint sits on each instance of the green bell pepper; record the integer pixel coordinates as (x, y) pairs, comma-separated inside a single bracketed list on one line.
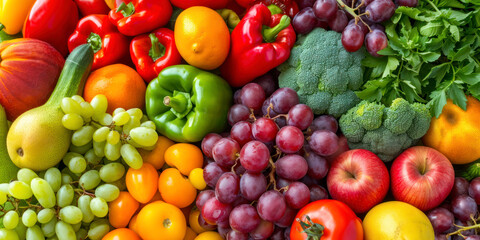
[(187, 103)]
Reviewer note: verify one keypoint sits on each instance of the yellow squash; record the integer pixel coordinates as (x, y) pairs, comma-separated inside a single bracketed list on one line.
[(13, 14)]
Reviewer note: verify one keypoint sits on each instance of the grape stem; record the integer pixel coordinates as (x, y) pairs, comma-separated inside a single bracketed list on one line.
[(465, 228), (352, 10)]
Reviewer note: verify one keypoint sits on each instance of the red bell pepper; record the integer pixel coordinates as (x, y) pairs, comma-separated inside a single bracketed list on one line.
[(214, 4), (153, 52), (260, 42), (135, 17), (52, 21), (109, 45), (289, 7), (88, 7)]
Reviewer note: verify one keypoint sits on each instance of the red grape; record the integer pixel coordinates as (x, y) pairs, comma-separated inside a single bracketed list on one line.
[(305, 21), (211, 173), (300, 116), (237, 113), (267, 108), (244, 218), (225, 152), (473, 237), (309, 181), (463, 207), (263, 231), (267, 82), (291, 167), (271, 206), (234, 235), (297, 195), (380, 10), (441, 219), (474, 190), (254, 156), (339, 22), (407, 3), (277, 234), (205, 225), (324, 122), (325, 9), (352, 37), (264, 130), (236, 97), (241, 132), (252, 185), (317, 165), (252, 95), (323, 143), (214, 211), (203, 196), (223, 229), (289, 139), (208, 142), (460, 187), (305, 3), (282, 182), (227, 188), (287, 218), (318, 193), (283, 99), (375, 41)]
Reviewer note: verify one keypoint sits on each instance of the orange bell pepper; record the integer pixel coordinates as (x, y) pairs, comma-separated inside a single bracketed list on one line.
[(13, 14)]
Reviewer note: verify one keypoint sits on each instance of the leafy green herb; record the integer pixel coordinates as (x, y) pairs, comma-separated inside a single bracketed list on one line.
[(433, 55)]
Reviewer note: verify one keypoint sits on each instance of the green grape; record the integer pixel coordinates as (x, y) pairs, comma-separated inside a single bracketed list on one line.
[(149, 124), (107, 191), (35, 233), (99, 207), (29, 218), (118, 110), (144, 119), (26, 175), (83, 135), (10, 220), (66, 179), (121, 184), (100, 105), (82, 234), (48, 229), (68, 156), (131, 156), (71, 214), (106, 119), (81, 149), (8, 234), (72, 121), (99, 148), (144, 136), (84, 206), (101, 134), (77, 164), (135, 113), (21, 230), (54, 177), (78, 98), (19, 190), (69, 105), (87, 110), (4, 188), (92, 158), (43, 192), (112, 152), (53, 238), (90, 179), (98, 229), (65, 195), (121, 118), (3, 198), (45, 215), (112, 172), (77, 226), (113, 137), (131, 124), (65, 231)]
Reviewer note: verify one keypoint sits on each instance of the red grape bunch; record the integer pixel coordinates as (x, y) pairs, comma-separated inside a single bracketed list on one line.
[(357, 20), (268, 166)]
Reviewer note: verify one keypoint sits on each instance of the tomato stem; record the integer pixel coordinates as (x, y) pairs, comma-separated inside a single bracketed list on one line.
[(313, 230)]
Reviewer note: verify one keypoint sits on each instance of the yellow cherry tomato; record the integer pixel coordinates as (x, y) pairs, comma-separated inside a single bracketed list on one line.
[(175, 188), (193, 221), (210, 235), (196, 178), (160, 220), (184, 156), (121, 234)]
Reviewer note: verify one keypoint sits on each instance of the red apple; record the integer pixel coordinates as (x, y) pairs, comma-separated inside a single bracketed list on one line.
[(358, 178), (422, 177)]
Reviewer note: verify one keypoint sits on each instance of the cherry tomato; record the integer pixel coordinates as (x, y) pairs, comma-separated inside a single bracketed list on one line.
[(161, 220), (184, 156), (193, 221), (156, 157), (210, 235), (196, 178), (175, 189), (133, 223), (142, 183), (121, 234), (339, 220), (190, 234), (122, 209)]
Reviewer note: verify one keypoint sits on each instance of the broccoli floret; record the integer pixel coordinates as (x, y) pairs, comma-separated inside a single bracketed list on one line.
[(323, 73), (386, 131)]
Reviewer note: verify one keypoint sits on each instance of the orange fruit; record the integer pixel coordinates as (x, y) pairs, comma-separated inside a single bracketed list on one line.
[(156, 157), (121, 84), (456, 133), (202, 37)]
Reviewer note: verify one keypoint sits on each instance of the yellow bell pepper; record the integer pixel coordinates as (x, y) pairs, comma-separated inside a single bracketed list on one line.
[(13, 14)]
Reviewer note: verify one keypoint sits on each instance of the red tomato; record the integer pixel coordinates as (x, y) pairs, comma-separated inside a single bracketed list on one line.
[(339, 220)]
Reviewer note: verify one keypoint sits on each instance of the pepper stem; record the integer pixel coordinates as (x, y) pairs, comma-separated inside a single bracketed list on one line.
[(180, 103), (2, 27), (157, 50), (230, 17), (313, 230), (126, 9), (274, 9), (95, 42), (270, 34)]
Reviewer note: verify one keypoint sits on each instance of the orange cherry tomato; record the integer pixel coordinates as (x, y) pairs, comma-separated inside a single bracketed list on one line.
[(160, 220), (190, 234), (156, 157), (193, 221), (142, 183), (175, 188), (133, 223), (122, 209), (184, 156), (121, 234)]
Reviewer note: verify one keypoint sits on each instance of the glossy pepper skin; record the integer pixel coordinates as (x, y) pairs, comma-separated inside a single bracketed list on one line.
[(52, 21), (260, 42), (186, 103), (13, 14), (289, 7), (153, 52), (135, 17), (109, 45), (214, 4), (88, 7)]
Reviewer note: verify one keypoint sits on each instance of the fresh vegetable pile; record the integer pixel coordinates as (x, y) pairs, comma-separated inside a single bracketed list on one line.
[(239, 119)]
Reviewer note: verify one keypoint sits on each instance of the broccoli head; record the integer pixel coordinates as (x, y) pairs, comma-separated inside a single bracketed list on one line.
[(386, 131), (323, 73)]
